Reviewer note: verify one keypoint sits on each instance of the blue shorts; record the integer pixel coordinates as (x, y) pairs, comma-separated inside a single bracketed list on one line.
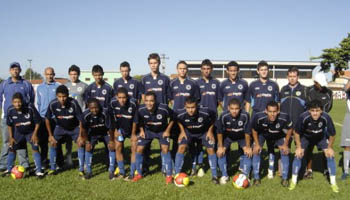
[(124, 133), (321, 143), (228, 141), (199, 138), (21, 141), (59, 133), (271, 143), (149, 136), (94, 139)]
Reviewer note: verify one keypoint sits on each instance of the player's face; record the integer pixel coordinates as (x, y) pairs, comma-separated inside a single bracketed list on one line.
[(154, 65), (125, 72), (206, 71), (94, 108), (292, 78), (234, 109), (272, 112), (49, 75), (315, 113), (73, 75), (98, 76), (14, 72), (182, 70), (17, 103), (150, 102), (263, 72), (122, 98), (232, 72), (191, 108), (62, 98)]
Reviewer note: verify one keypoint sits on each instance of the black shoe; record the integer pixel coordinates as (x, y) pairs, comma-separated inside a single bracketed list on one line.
[(193, 172), (39, 175), (308, 175), (111, 176), (326, 173), (285, 183), (6, 173), (88, 176), (257, 182), (215, 180)]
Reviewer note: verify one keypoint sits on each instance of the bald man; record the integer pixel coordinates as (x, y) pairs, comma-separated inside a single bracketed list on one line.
[(45, 93)]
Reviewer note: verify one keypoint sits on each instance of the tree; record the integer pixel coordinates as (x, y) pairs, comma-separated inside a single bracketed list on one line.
[(138, 77), (30, 74)]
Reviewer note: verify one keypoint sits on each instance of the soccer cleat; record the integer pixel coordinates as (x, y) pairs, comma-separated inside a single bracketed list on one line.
[(344, 176), (39, 175), (87, 176), (193, 172), (215, 180), (308, 175), (6, 173), (52, 172), (168, 180), (256, 182), (111, 176), (128, 178), (285, 183), (200, 172), (326, 172), (137, 178), (335, 188), (292, 186), (223, 180), (269, 174)]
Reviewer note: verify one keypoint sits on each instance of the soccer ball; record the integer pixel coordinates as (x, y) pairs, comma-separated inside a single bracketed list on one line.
[(17, 172), (181, 180), (240, 181)]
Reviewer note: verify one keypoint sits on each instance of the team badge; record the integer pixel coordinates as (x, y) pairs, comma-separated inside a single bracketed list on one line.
[(188, 87), (320, 124), (104, 91), (240, 86), (79, 89), (278, 125), (27, 116), (159, 116), (130, 110), (213, 86), (269, 88), (160, 82), (240, 123), (131, 86), (200, 119), (70, 110), (298, 93)]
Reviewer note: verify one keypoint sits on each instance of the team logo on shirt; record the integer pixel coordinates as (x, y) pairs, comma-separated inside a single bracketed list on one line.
[(27, 116), (160, 82), (309, 124), (320, 124), (278, 125), (188, 87), (70, 110), (298, 93), (213, 86), (159, 116), (240, 86), (131, 86), (200, 119), (269, 88), (104, 91), (130, 110), (79, 89), (240, 123)]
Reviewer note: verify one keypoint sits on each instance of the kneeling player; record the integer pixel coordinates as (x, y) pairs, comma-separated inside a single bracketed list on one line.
[(233, 125), (196, 124), (153, 122), (96, 123), (275, 128), (23, 124), (311, 129), (67, 115), (123, 110)]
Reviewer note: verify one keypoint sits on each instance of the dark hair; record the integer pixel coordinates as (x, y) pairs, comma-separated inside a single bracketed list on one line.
[(151, 93), (122, 90), (62, 89), (125, 64), (97, 69), (234, 101), (232, 64), (74, 68), (93, 100), (17, 95), (314, 104), (263, 63), (272, 104), (190, 100), (154, 56), (181, 62), (207, 62), (293, 69)]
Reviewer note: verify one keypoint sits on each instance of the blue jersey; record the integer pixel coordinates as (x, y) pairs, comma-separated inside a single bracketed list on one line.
[(23, 121), (315, 129), (179, 91), (45, 93), (272, 129), (67, 116), (199, 123), (103, 94), (156, 121), (233, 89), (261, 94), (96, 124), (123, 116), (159, 85), (209, 93), (132, 85), (8, 88), (233, 127)]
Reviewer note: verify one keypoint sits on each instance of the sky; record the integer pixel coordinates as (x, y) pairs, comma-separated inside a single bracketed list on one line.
[(86, 32)]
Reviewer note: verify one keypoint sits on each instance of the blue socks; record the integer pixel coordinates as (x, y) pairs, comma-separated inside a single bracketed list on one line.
[(132, 169), (223, 165), (139, 160), (285, 166), (271, 161), (111, 155), (331, 166), (168, 164), (88, 161), (296, 166), (213, 164), (10, 160), (37, 161), (121, 167), (81, 157), (256, 166), (53, 156), (179, 160), (247, 163)]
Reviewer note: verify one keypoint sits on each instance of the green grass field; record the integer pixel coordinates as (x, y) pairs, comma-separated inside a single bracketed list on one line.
[(67, 185)]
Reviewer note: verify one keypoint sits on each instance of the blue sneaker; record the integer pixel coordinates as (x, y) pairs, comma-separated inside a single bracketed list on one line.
[(344, 176)]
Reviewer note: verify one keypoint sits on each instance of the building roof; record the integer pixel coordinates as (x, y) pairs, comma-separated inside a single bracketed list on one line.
[(255, 62), (39, 81)]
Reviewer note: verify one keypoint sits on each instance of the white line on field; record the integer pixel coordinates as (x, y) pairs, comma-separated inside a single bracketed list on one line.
[(338, 124)]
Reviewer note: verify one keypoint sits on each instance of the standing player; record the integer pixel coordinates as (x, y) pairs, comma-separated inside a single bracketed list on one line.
[(312, 129), (233, 125), (345, 135), (66, 113), (275, 128), (153, 122), (124, 108), (126, 81), (23, 124), (196, 124), (97, 125)]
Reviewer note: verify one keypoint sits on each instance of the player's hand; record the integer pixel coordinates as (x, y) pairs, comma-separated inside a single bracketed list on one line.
[(182, 136), (329, 152), (111, 145), (88, 146), (220, 152), (299, 152), (34, 139), (12, 142), (116, 134), (52, 141), (248, 151), (166, 134), (210, 137), (142, 134), (133, 138), (81, 141), (285, 149), (257, 149)]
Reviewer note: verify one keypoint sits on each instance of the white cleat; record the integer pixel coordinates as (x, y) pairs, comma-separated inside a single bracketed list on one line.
[(269, 174), (223, 180)]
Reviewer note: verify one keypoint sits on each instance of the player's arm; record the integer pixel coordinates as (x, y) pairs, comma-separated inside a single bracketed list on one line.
[(12, 140), (257, 147), (285, 146), (168, 129), (221, 149), (35, 138), (299, 152), (182, 132), (247, 149), (210, 134), (49, 131), (247, 106)]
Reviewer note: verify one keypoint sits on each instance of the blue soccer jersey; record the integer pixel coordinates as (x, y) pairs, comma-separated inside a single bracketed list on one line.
[(233, 127), (124, 116), (24, 120), (261, 94), (198, 123), (272, 130), (179, 91), (103, 93), (209, 93), (96, 124), (234, 89), (159, 85), (132, 85), (156, 121)]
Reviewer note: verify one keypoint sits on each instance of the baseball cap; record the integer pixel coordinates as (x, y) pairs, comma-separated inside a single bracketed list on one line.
[(15, 64), (321, 79)]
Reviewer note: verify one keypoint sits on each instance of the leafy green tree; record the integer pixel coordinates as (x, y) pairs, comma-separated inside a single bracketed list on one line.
[(30, 73)]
